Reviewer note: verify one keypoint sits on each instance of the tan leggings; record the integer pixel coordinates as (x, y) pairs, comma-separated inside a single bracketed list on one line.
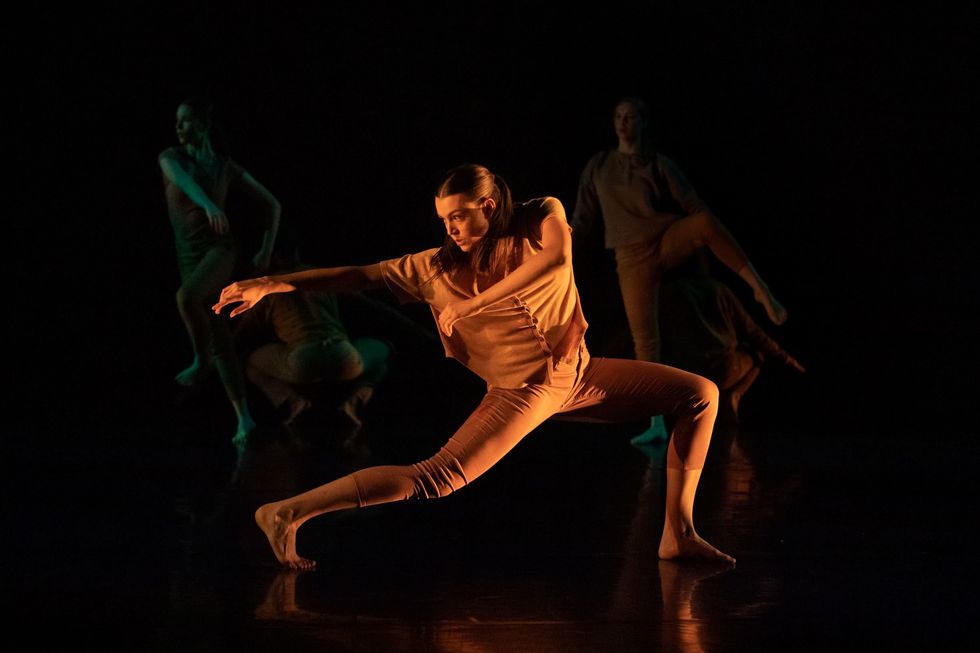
[(607, 390), (641, 266)]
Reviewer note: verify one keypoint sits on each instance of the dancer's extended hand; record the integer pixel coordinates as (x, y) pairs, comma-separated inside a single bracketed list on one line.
[(219, 222), (249, 292)]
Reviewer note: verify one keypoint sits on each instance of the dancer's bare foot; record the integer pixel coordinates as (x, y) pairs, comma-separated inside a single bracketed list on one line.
[(193, 373), (246, 426), (774, 309), (282, 537), (685, 544)]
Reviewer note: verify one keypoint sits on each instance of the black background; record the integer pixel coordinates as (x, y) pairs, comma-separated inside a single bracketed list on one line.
[(837, 144)]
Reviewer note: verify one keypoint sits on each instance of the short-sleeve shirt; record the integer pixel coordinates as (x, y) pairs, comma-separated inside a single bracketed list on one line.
[(637, 199), (513, 342)]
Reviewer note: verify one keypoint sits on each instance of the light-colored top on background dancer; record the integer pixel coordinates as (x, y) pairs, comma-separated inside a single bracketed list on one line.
[(636, 199)]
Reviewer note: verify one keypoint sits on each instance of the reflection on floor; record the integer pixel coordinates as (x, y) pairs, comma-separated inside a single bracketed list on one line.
[(154, 548)]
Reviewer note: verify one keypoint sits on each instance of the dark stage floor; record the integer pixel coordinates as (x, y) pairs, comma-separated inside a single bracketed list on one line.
[(145, 542)]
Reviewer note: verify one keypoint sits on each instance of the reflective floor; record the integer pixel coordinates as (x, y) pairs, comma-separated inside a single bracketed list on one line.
[(146, 542)]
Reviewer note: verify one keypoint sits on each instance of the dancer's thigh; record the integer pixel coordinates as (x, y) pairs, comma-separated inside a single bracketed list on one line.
[(620, 390)]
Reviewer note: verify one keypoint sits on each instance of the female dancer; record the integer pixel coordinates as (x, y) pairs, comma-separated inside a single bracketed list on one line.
[(654, 221), (504, 298), (197, 181)]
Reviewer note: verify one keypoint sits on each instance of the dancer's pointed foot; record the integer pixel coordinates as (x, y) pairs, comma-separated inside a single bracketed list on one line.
[(774, 309), (281, 534)]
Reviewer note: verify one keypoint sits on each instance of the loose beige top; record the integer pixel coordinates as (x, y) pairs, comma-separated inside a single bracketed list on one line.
[(516, 340)]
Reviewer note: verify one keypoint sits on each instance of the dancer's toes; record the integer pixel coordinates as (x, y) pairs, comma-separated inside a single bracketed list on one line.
[(690, 546), (711, 553), (301, 564)]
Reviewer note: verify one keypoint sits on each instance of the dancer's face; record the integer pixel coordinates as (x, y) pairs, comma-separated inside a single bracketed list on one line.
[(626, 121), (190, 129), (466, 220)]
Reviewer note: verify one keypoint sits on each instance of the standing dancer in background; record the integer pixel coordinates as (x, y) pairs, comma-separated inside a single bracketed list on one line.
[(197, 181), (654, 221)]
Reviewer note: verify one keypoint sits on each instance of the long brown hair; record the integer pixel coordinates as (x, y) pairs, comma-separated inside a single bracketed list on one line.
[(475, 182)]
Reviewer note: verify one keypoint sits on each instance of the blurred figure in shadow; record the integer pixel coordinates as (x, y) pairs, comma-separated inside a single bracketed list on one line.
[(502, 291), (197, 182), (303, 354), (653, 220), (705, 329)]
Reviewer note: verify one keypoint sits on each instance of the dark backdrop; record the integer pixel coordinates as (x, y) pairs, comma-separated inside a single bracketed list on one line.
[(837, 144)]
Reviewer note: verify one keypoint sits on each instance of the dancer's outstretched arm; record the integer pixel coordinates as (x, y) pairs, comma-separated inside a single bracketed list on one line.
[(340, 279)]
